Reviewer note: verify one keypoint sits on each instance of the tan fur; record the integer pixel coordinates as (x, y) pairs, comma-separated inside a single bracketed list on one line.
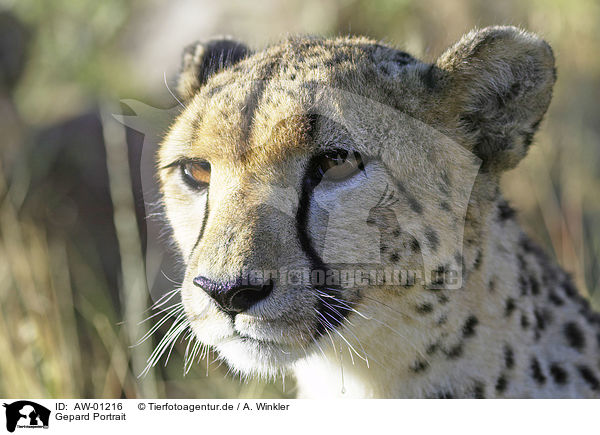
[(435, 138)]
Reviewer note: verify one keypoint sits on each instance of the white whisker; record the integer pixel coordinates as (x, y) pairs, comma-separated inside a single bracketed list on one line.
[(168, 89)]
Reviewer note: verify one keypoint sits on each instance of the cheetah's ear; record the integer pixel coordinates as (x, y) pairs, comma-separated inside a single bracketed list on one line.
[(203, 59), (499, 85)]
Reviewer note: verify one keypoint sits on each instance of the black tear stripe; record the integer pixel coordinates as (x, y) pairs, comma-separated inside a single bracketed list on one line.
[(335, 313), (203, 227)]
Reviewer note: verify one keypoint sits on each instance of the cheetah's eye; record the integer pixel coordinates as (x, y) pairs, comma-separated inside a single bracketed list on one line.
[(339, 165), (196, 173)]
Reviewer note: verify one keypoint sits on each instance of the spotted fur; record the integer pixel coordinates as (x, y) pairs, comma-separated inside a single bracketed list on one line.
[(513, 326)]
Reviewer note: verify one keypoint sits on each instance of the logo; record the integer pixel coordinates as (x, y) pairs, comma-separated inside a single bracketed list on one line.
[(26, 414)]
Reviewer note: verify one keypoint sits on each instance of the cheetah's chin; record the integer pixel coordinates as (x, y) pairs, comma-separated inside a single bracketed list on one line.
[(251, 356)]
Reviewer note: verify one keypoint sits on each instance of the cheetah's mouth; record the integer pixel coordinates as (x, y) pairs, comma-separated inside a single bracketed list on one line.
[(270, 336)]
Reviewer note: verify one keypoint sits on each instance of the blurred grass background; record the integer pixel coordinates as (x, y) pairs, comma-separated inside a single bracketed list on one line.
[(71, 256)]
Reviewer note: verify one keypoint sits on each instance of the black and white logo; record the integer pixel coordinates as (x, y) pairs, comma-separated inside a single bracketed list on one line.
[(26, 414)]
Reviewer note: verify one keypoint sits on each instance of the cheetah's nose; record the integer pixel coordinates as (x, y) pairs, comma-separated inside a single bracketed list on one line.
[(234, 297)]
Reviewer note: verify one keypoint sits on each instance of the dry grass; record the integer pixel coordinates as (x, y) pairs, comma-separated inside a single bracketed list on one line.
[(62, 338)]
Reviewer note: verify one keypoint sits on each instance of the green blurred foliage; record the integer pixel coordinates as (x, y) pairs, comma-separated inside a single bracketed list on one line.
[(74, 56)]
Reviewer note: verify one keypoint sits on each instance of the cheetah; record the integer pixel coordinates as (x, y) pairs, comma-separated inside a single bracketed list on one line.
[(336, 204)]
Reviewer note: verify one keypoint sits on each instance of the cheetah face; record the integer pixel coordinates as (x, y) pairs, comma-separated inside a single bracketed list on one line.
[(309, 186)]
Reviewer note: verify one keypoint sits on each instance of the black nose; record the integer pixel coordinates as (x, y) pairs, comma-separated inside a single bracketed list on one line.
[(234, 297)]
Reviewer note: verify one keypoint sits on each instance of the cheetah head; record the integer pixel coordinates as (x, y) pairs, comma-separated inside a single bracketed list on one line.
[(318, 189)]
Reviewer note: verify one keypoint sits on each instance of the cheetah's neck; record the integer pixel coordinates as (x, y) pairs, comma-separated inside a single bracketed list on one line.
[(517, 328)]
